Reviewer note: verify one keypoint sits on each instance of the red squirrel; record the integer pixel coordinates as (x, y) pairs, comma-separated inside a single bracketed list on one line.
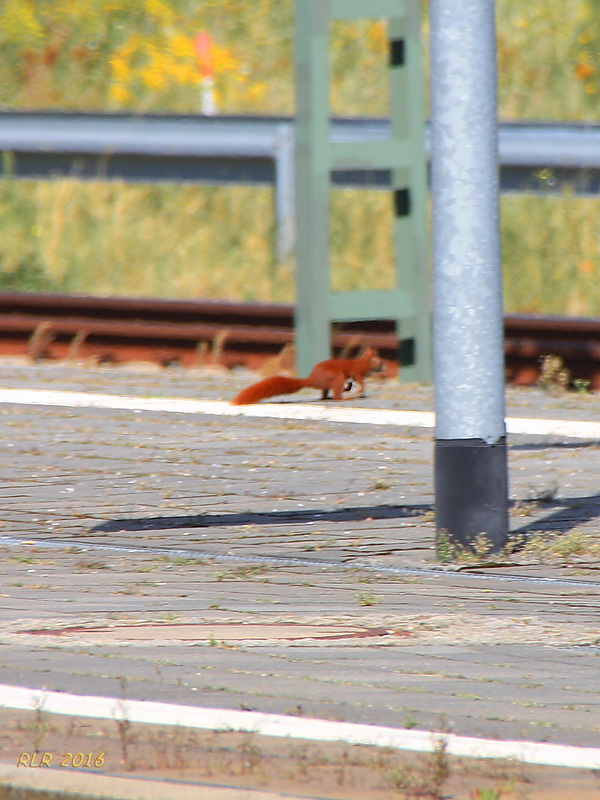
[(335, 375)]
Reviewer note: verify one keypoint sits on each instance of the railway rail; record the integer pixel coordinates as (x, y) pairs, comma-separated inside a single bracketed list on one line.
[(232, 334)]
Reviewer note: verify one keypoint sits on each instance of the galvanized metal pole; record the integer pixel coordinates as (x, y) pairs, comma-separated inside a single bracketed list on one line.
[(471, 483)]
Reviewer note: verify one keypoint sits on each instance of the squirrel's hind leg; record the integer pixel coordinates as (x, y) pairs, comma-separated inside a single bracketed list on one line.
[(339, 386)]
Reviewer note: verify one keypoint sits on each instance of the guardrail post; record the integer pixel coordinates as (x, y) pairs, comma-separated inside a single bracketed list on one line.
[(284, 192), (317, 156), (471, 483)]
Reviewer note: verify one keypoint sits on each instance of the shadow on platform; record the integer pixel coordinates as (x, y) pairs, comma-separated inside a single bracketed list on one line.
[(358, 514), (567, 513)]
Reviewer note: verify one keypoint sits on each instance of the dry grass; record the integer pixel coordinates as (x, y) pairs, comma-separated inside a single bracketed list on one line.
[(551, 255), (110, 239), (574, 547), (541, 547), (218, 242)]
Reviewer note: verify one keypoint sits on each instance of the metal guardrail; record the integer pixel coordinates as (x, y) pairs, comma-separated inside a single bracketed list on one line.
[(535, 157)]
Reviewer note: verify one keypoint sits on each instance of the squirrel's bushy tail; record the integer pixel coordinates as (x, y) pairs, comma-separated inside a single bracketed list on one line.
[(268, 387)]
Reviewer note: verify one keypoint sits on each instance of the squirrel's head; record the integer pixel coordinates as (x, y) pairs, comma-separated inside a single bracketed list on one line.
[(371, 356)]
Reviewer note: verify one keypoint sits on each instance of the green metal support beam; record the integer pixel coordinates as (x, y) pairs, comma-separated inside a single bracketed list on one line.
[(408, 302)]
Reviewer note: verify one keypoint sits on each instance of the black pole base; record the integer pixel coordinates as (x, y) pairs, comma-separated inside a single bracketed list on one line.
[(471, 492)]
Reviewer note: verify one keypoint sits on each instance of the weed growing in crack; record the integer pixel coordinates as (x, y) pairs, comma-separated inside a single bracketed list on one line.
[(426, 779), (368, 599), (40, 726), (123, 726), (547, 547), (444, 548)]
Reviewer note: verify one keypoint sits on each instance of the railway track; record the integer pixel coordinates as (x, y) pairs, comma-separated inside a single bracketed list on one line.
[(234, 334)]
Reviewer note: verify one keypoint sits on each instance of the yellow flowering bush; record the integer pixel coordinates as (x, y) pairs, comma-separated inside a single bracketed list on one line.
[(139, 54)]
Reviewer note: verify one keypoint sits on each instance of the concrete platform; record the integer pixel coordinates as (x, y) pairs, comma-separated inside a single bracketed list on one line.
[(135, 543)]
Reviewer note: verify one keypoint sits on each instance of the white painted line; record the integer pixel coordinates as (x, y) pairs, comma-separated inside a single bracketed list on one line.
[(217, 407), (151, 713), (573, 429)]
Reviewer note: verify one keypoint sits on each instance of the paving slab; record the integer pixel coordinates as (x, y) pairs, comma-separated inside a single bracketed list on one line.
[(168, 556)]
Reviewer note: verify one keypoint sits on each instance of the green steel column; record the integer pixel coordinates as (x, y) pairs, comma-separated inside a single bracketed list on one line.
[(312, 322), (404, 155), (410, 194)]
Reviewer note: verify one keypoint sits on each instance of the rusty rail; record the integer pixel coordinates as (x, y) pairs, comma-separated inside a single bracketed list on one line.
[(190, 332)]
